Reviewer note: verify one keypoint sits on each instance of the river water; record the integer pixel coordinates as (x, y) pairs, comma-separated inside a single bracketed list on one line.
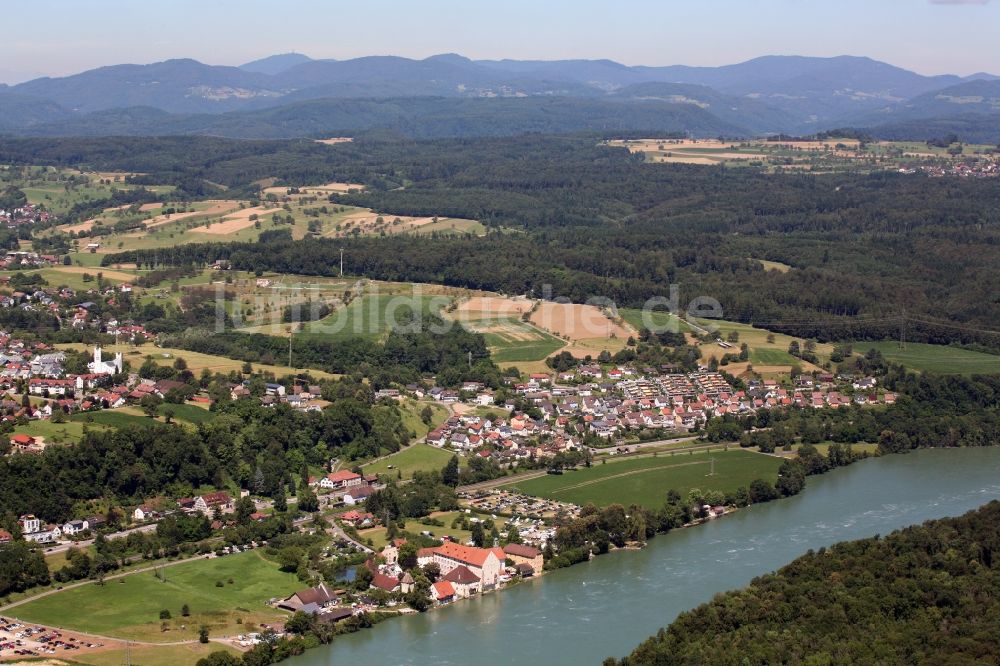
[(606, 607)]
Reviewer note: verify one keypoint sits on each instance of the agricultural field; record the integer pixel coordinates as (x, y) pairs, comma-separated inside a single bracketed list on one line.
[(129, 607), (767, 358), (418, 457), (59, 189), (940, 359), (820, 156), (500, 320), (645, 481), (587, 329), (660, 319)]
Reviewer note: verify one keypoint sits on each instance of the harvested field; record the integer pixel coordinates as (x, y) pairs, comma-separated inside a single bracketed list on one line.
[(577, 322), (495, 306), (216, 208), (235, 222), (108, 274)]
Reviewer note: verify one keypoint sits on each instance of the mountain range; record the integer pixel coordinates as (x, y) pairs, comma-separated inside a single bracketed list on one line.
[(450, 95)]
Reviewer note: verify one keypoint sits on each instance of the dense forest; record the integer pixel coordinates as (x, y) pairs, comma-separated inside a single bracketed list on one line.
[(927, 594)]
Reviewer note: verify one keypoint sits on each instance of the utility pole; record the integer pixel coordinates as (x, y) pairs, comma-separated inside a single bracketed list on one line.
[(470, 360), (712, 468), (902, 331), (291, 332), (341, 262)]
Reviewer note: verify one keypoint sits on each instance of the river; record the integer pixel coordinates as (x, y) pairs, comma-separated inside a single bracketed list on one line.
[(606, 607)]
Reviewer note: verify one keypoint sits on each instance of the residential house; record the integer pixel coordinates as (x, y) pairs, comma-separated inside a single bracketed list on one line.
[(218, 500), (520, 554), (321, 596)]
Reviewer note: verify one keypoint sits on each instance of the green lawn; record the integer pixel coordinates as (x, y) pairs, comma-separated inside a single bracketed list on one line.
[(772, 357), (377, 534), (645, 481), (115, 418), (191, 413), (941, 359), (528, 350), (54, 433), (419, 457), (129, 607)]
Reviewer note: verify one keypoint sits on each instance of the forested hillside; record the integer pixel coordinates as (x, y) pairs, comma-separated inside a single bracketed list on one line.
[(589, 220), (928, 594)]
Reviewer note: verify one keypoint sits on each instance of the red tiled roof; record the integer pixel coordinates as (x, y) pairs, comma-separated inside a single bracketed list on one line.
[(454, 551)]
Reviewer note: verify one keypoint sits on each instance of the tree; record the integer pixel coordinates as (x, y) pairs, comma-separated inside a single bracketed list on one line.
[(150, 404), (407, 556), (427, 415), (243, 510), (203, 634), (478, 534), (185, 611), (220, 658), (450, 473)]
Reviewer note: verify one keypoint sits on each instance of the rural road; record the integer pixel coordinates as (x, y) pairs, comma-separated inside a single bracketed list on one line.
[(86, 542)]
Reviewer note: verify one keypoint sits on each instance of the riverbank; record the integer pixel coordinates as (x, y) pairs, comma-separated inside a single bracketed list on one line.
[(569, 617)]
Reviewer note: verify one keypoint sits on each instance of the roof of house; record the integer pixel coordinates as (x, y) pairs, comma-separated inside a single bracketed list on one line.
[(455, 551), (387, 583), (320, 594), (443, 588), (343, 475), (519, 550), (461, 575)]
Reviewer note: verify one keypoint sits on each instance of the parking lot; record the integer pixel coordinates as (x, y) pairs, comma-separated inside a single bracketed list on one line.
[(18, 639)]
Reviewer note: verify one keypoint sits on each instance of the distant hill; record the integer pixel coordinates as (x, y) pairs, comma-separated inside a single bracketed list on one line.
[(172, 85), (771, 94), (425, 117), (970, 110), (756, 116), (275, 64)]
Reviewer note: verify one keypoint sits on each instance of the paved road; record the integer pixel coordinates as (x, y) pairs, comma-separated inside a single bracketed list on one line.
[(339, 532)]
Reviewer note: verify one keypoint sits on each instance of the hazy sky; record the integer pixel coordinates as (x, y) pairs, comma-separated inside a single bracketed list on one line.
[(59, 37)]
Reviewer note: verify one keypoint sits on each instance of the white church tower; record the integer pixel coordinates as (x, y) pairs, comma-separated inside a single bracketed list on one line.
[(101, 367)]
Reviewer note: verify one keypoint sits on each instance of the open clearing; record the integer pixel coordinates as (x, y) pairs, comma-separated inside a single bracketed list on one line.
[(129, 607), (212, 209), (941, 359), (418, 457), (645, 481), (377, 534)]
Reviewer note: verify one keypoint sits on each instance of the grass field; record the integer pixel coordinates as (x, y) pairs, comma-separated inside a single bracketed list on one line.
[(54, 433), (419, 457), (116, 418), (129, 607), (645, 481), (166, 655), (411, 409), (941, 359), (658, 318), (372, 316)]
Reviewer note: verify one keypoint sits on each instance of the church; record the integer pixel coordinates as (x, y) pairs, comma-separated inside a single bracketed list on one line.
[(101, 367)]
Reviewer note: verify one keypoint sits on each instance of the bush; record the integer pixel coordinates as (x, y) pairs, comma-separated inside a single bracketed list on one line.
[(164, 614)]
